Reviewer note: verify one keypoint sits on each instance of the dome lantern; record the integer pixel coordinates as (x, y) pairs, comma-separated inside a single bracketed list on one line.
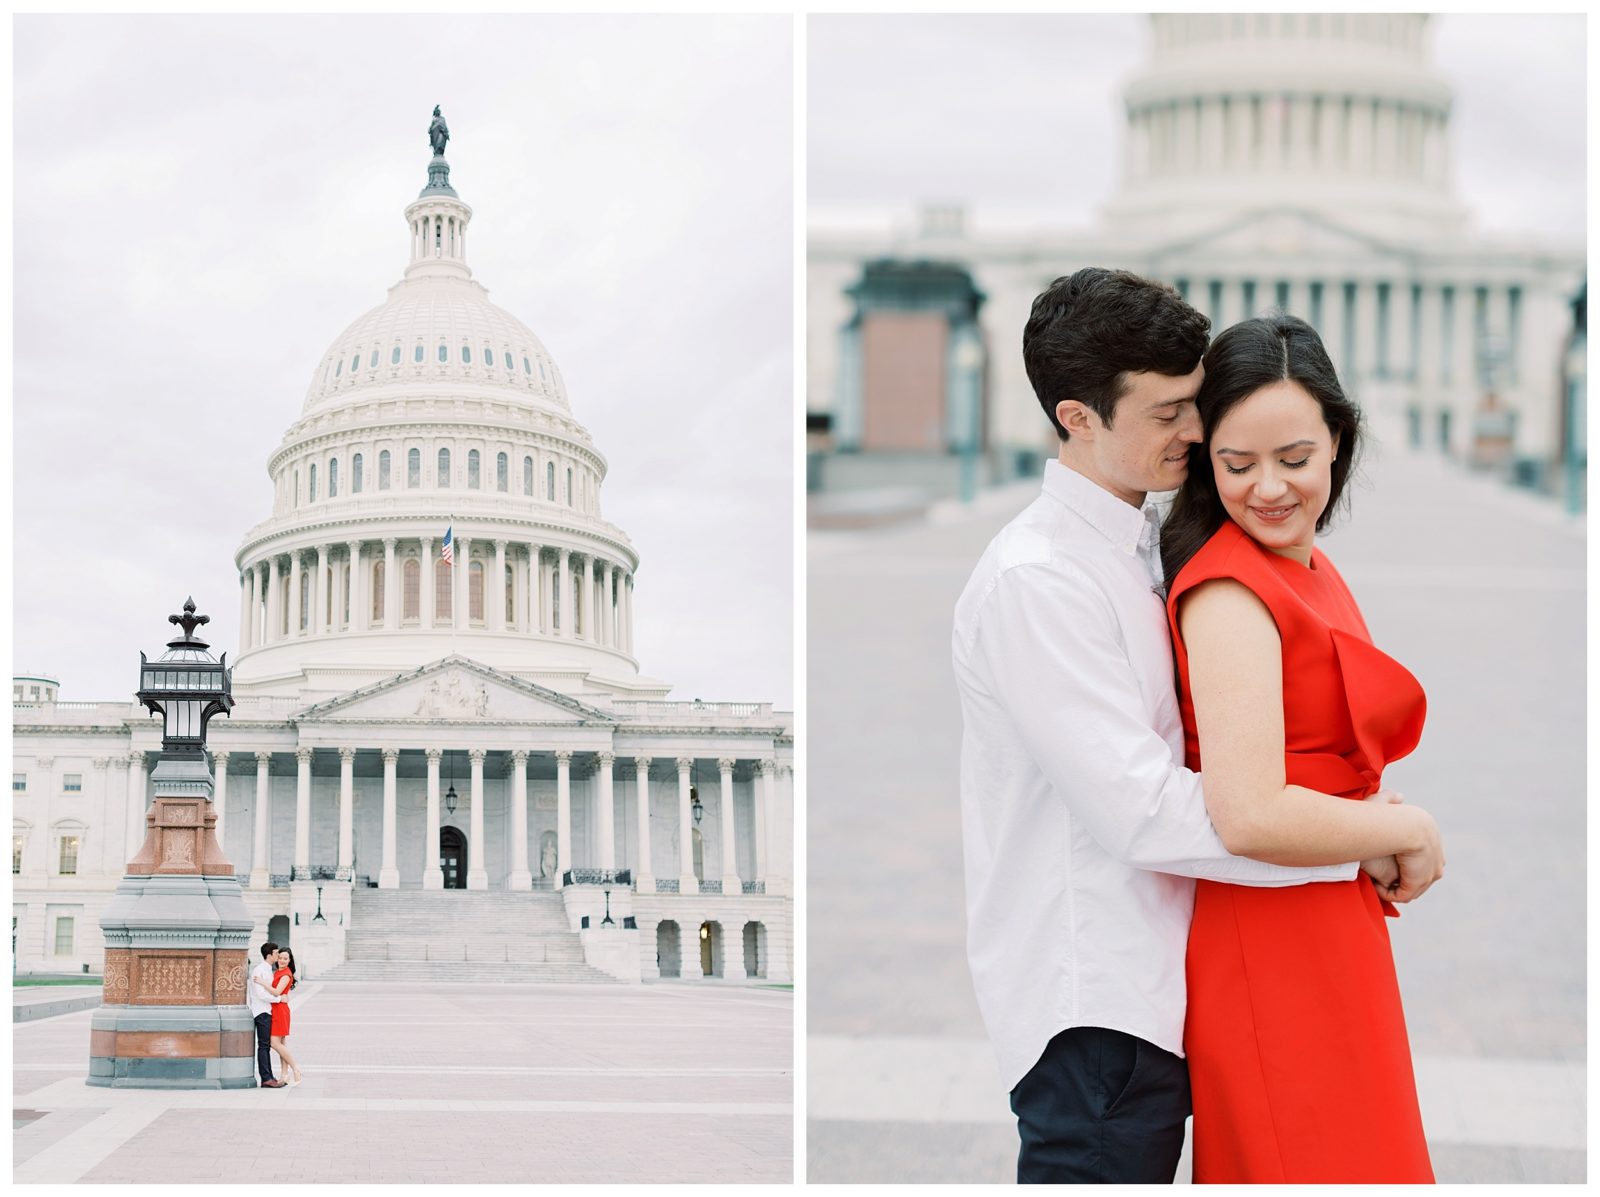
[(437, 218)]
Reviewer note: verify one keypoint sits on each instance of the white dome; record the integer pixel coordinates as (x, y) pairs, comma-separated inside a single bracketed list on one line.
[(484, 346)]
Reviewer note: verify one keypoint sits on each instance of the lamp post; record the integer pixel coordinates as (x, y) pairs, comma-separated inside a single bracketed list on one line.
[(177, 932)]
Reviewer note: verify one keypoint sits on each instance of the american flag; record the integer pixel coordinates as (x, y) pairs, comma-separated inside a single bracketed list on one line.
[(449, 551)]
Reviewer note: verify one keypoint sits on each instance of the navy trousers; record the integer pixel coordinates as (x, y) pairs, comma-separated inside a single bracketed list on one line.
[(264, 1046), (1101, 1107)]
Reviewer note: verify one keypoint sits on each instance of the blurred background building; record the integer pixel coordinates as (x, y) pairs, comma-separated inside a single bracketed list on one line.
[(1293, 161)]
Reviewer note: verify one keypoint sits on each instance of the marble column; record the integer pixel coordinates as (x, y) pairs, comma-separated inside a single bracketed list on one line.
[(495, 616), (643, 878), (432, 874), (219, 796), (114, 856), (602, 624), (296, 628), (347, 847), (358, 603), (563, 816), (688, 883), (389, 874), (260, 864), (275, 616), (391, 585), (477, 874), (585, 623), (302, 814), (764, 807), (138, 784), (429, 589), (460, 591), (608, 814), (563, 598), (246, 586), (730, 870), (258, 605), (320, 623), (547, 590), (521, 879)]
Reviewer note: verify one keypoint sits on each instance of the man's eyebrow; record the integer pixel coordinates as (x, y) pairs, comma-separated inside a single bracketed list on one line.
[(1280, 449), (1172, 402)]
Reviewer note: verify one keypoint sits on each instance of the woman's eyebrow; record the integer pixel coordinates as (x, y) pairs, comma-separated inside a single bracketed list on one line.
[(1280, 449)]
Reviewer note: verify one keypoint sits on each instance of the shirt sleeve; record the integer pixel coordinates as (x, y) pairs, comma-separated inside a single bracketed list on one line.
[(1060, 668)]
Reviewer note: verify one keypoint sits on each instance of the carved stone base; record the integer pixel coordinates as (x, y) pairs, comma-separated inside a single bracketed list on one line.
[(181, 840), (172, 1047)]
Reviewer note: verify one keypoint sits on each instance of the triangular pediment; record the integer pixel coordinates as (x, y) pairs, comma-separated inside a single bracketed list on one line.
[(456, 690), (1278, 233)]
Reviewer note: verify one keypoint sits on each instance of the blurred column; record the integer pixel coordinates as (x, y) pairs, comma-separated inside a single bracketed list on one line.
[(432, 874), (296, 606), (608, 814), (391, 585), (389, 873), (1332, 328), (347, 846), (429, 585), (1365, 341), (1464, 391), (563, 816), (274, 603), (219, 800), (687, 882), (521, 880), (725, 831), (260, 876), (644, 877), (319, 595), (302, 814), (477, 873)]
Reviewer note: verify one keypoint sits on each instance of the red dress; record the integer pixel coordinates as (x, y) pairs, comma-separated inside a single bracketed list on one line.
[(280, 1010), (1298, 1057)]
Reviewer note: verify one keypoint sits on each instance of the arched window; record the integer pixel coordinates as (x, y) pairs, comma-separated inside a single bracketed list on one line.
[(443, 478), (569, 486), (444, 353), (580, 617), (527, 367), (466, 355), (394, 356), (542, 374), (313, 482), (305, 599), (417, 356), (373, 364), (377, 591), (509, 366), (475, 592), (414, 468), (297, 488), (441, 590), (355, 363), (411, 589), (488, 356), (333, 477), (383, 470), (527, 476), (355, 474), (338, 368), (550, 480), (474, 478), (328, 590), (502, 473), (511, 597)]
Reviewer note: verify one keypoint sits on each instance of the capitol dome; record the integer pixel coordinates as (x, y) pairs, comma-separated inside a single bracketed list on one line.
[(437, 413)]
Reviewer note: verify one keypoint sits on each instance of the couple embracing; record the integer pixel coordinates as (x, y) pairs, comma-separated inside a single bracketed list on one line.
[(270, 983), (1179, 855)]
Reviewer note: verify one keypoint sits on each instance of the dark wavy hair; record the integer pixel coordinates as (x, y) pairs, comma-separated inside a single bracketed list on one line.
[(1090, 329), (294, 978), (1243, 359)]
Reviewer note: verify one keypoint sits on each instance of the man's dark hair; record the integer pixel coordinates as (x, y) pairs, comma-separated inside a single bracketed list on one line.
[(267, 949), (1090, 329)]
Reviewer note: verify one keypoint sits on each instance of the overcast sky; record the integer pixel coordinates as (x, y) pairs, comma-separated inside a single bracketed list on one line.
[(1019, 117), (204, 203)]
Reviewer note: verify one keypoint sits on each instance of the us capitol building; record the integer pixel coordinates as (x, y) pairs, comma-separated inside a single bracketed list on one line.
[(1293, 161), (446, 763)]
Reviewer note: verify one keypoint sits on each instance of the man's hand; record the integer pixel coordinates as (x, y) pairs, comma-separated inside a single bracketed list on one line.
[(1384, 870)]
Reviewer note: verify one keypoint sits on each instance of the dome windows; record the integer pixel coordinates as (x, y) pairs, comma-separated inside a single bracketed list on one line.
[(394, 356), (474, 477), (373, 364), (313, 497), (355, 474), (509, 366), (383, 470), (417, 356), (549, 480), (338, 368), (542, 374), (414, 469), (502, 470), (569, 486), (527, 366), (466, 355), (355, 363), (444, 467), (333, 477), (444, 353), (527, 476)]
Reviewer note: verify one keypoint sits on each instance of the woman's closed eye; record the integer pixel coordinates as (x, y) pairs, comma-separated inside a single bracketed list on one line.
[(1293, 465)]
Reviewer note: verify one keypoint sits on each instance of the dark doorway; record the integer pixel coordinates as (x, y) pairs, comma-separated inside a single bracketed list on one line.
[(277, 932), (453, 858)]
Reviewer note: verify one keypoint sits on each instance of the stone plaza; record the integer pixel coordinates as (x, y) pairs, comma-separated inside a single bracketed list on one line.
[(416, 1082)]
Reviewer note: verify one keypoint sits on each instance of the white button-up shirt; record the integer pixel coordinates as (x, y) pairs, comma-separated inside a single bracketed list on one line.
[(1082, 831), (259, 999)]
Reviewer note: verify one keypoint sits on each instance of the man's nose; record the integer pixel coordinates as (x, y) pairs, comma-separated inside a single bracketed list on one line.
[(1190, 431)]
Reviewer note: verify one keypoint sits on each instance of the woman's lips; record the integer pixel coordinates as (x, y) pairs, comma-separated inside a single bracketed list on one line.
[(1273, 515)]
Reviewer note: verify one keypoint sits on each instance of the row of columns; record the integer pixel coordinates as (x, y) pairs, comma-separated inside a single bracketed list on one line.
[(548, 586), (1429, 332), (520, 875), (1352, 134)]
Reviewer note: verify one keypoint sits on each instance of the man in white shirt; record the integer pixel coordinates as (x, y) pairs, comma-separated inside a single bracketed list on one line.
[(260, 997), (1082, 832)]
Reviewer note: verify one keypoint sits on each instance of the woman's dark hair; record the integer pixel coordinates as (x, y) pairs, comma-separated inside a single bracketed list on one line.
[(1243, 359), (294, 978), (1090, 329)]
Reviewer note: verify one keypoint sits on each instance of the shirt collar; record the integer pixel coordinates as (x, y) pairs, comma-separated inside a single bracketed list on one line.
[(1127, 528)]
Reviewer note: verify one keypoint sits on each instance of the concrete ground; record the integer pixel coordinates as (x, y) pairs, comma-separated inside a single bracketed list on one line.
[(1479, 590), (444, 1083)]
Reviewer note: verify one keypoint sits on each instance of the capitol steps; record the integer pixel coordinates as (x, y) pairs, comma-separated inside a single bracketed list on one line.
[(462, 935)]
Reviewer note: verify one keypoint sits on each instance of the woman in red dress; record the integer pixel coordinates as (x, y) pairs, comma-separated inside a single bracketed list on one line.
[(282, 982), (1298, 1057)]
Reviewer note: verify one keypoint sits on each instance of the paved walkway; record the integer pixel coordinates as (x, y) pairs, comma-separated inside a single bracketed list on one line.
[(457, 1083), (1480, 591)]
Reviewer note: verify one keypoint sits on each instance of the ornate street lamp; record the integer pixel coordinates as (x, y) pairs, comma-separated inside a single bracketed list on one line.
[(450, 794), (694, 792), (186, 687)]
